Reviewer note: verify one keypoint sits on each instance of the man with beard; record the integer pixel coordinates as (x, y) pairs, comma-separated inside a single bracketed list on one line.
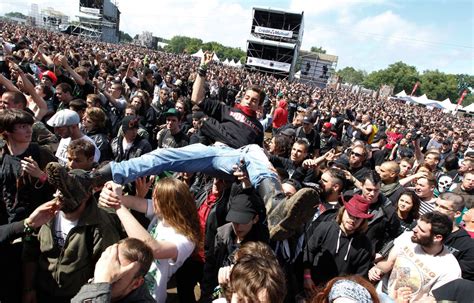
[(332, 184), (458, 242), (61, 258), (339, 247), (422, 264)]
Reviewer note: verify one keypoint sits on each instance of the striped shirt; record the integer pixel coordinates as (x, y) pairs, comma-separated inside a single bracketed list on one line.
[(427, 206)]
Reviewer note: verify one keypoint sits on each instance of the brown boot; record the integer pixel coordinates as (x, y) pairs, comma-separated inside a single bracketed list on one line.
[(297, 210), (74, 185)]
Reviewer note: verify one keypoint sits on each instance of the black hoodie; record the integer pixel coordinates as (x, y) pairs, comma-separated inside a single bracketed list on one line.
[(330, 253), (461, 245)]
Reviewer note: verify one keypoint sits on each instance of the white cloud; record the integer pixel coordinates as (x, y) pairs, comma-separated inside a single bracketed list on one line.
[(347, 28), (324, 6)]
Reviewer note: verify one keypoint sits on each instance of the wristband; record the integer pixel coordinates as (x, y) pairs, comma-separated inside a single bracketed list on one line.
[(43, 178), (307, 276), (28, 230), (202, 71)]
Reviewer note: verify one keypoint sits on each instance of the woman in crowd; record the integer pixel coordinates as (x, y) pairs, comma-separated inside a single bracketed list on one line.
[(94, 121), (255, 276), (173, 233), (350, 289), (408, 207), (279, 146)]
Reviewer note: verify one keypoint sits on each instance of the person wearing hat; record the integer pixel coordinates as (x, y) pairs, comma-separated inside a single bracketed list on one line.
[(66, 126), (172, 135), (290, 133), (48, 78), (244, 226), (280, 116), (339, 247), (130, 144), (327, 139)]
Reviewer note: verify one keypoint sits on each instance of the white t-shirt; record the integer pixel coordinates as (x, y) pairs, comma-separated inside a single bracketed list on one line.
[(161, 270), (62, 227), (61, 152), (418, 270)]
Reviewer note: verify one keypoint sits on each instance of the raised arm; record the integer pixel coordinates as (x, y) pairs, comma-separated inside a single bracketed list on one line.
[(62, 60), (198, 87), (29, 88)]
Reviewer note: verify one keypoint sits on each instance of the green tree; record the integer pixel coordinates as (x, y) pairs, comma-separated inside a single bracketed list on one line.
[(177, 44), (124, 37), (401, 75), (317, 49), (16, 15), (180, 44), (351, 75), (439, 86)]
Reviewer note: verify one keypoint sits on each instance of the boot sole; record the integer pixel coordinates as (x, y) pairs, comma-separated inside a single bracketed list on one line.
[(300, 208), (58, 176)]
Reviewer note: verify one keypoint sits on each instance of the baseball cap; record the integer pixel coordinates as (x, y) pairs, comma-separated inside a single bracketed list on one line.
[(288, 132), (242, 209), (50, 75), (198, 115), (327, 125), (129, 122), (172, 112), (307, 120), (65, 117)]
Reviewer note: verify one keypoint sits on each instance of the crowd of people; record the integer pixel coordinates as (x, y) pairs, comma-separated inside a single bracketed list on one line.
[(124, 168)]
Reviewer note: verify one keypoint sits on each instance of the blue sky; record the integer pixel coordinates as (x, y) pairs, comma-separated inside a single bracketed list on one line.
[(368, 35)]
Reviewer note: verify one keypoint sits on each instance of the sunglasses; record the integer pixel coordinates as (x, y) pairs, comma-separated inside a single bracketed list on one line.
[(356, 154)]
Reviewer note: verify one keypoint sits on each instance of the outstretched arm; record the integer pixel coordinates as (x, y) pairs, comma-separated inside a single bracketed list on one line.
[(198, 87)]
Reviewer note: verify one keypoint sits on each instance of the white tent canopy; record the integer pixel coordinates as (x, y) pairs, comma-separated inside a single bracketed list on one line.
[(401, 94), (199, 54), (238, 64), (469, 108), (226, 62), (232, 63), (215, 58)]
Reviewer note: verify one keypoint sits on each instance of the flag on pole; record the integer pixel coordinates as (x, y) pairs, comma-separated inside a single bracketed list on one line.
[(461, 98), (415, 88)]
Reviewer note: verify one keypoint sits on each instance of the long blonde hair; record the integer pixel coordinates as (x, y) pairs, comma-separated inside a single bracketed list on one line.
[(176, 206)]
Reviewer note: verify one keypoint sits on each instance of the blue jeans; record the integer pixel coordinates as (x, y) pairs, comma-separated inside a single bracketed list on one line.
[(216, 161)]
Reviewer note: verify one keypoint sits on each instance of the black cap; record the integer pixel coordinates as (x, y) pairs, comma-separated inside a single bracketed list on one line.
[(198, 115), (242, 209), (288, 132), (129, 122)]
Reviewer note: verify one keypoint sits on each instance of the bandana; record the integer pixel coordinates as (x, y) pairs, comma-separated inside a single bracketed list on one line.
[(349, 289), (246, 110)]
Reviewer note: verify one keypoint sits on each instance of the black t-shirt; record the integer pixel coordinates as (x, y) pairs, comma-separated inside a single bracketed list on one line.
[(230, 125), (326, 143), (313, 138)]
